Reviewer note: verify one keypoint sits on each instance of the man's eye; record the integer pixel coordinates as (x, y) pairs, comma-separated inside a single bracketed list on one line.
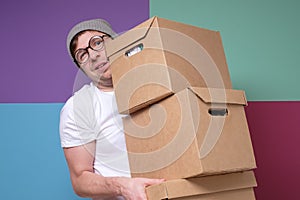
[(82, 56), (96, 43)]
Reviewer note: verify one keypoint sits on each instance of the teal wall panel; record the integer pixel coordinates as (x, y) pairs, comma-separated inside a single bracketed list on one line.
[(32, 162), (260, 38)]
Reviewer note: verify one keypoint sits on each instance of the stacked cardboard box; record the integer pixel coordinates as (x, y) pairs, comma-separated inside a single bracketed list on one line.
[(161, 57), (235, 186), (185, 120)]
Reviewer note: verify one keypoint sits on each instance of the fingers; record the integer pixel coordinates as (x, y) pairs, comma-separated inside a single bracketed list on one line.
[(149, 182)]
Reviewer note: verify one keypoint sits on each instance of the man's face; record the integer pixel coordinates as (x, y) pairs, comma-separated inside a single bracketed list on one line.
[(97, 67)]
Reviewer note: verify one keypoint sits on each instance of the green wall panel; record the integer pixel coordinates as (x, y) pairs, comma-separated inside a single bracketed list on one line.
[(260, 38)]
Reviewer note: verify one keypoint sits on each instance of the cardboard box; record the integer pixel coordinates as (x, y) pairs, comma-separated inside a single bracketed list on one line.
[(161, 57), (195, 132), (237, 186)]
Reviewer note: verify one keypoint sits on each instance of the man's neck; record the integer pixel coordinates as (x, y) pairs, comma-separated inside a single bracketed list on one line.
[(105, 88)]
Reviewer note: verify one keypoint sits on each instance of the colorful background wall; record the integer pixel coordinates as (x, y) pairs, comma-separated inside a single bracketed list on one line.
[(262, 46)]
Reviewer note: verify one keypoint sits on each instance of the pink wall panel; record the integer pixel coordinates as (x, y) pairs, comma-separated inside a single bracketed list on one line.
[(275, 131)]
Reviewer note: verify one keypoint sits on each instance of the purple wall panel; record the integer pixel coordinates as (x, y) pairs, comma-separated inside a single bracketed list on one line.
[(35, 66), (275, 131)]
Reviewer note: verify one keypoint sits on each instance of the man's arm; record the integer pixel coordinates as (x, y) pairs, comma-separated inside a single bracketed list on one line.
[(86, 183)]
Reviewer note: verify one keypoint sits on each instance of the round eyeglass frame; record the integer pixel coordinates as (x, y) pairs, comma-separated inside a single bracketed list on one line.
[(96, 43)]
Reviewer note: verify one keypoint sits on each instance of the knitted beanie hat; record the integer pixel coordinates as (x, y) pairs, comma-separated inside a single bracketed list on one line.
[(93, 24)]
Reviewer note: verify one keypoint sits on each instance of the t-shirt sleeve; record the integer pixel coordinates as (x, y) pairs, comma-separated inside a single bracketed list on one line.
[(77, 124)]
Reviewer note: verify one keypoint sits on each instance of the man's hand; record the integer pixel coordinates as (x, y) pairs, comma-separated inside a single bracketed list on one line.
[(88, 184), (134, 188)]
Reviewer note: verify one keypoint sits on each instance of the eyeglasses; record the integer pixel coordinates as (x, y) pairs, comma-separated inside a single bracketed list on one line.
[(96, 43)]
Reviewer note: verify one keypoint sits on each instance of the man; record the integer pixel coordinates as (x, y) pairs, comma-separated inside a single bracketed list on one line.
[(90, 127)]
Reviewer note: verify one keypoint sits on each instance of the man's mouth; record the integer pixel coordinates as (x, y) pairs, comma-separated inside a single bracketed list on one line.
[(101, 65)]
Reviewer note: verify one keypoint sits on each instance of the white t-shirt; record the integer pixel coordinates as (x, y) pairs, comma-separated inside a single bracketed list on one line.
[(91, 115)]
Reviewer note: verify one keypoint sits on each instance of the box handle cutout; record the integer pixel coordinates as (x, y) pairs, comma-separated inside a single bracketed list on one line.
[(134, 50), (218, 111)]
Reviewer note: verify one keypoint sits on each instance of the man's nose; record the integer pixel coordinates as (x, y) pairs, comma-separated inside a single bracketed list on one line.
[(94, 54)]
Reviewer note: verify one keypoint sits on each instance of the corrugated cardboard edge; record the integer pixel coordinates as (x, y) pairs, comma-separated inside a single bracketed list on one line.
[(157, 192), (218, 95), (204, 185), (138, 107)]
